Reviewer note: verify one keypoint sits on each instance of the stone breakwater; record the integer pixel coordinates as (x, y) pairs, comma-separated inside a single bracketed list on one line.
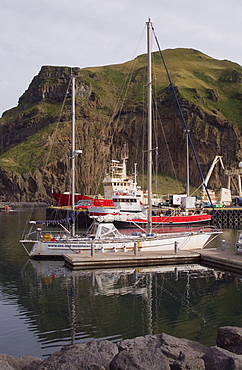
[(151, 352)]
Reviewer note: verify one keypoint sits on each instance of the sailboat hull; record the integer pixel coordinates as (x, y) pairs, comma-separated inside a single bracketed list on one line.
[(159, 242)]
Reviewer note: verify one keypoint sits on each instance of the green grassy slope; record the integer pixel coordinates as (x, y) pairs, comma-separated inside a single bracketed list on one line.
[(196, 75)]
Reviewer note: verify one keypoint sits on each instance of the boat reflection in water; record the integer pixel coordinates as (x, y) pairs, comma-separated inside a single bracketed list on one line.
[(70, 306), (45, 306)]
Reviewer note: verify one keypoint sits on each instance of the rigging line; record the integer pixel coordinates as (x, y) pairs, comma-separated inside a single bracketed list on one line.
[(126, 82), (71, 292), (158, 118), (182, 117), (156, 142), (167, 148), (196, 190), (208, 307), (28, 219), (235, 184), (122, 96), (178, 296), (129, 75), (156, 153), (143, 140), (155, 114), (58, 121)]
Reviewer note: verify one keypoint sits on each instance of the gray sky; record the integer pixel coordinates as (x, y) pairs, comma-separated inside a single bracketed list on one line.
[(84, 33)]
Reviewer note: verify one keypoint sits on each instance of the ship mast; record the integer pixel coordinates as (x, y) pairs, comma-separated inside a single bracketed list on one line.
[(74, 154), (149, 98), (73, 157)]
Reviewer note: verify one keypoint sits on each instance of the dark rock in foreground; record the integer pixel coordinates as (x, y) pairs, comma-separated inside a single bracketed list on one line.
[(230, 338), (151, 352), (21, 363), (93, 355), (159, 351)]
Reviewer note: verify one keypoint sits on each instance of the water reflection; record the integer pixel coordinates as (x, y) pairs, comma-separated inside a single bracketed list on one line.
[(44, 306), (229, 236), (185, 301)]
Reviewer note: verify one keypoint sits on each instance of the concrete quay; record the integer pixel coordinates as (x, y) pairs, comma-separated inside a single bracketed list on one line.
[(225, 260)]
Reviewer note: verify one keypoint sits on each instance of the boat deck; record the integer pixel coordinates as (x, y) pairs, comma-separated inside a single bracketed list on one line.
[(225, 260)]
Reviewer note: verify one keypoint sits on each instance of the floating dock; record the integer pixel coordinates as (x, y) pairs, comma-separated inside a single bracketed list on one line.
[(225, 260), (84, 260)]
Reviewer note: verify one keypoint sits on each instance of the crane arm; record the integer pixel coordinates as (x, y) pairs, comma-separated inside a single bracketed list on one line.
[(217, 159)]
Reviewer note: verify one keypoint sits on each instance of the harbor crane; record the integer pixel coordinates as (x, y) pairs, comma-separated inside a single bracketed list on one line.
[(217, 159), (235, 172)]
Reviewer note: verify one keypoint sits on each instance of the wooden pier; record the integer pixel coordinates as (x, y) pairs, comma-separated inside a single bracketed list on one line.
[(225, 260)]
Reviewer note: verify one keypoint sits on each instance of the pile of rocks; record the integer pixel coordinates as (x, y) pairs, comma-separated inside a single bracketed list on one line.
[(151, 352)]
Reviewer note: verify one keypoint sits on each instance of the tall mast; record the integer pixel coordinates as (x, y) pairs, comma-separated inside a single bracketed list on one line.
[(188, 175), (149, 98), (73, 155)]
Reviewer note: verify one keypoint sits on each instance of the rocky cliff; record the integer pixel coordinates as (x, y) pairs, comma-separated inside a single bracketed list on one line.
[(35, 135)]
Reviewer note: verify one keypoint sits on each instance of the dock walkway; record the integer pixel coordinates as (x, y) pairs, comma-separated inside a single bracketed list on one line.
[(226, 260), (126, 259)]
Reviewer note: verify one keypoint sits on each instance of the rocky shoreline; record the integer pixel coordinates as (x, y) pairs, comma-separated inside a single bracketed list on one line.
[(152, 352)]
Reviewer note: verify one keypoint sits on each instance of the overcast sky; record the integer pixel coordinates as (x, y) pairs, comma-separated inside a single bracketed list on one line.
[(84, 33)]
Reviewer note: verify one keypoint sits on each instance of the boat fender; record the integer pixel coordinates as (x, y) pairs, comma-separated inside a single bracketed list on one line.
[(137, 233), (47, 237)]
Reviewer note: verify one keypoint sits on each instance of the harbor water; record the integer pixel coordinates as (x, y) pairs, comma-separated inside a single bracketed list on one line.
[(45, 306)]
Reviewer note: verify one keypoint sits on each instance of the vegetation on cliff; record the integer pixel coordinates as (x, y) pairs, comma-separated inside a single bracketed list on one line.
[(35, 135)]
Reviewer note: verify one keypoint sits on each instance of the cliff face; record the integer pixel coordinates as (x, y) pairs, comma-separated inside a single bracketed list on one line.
[(43, 118)]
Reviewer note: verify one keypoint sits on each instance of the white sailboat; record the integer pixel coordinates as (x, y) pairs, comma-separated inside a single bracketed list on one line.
[(103, 236)]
